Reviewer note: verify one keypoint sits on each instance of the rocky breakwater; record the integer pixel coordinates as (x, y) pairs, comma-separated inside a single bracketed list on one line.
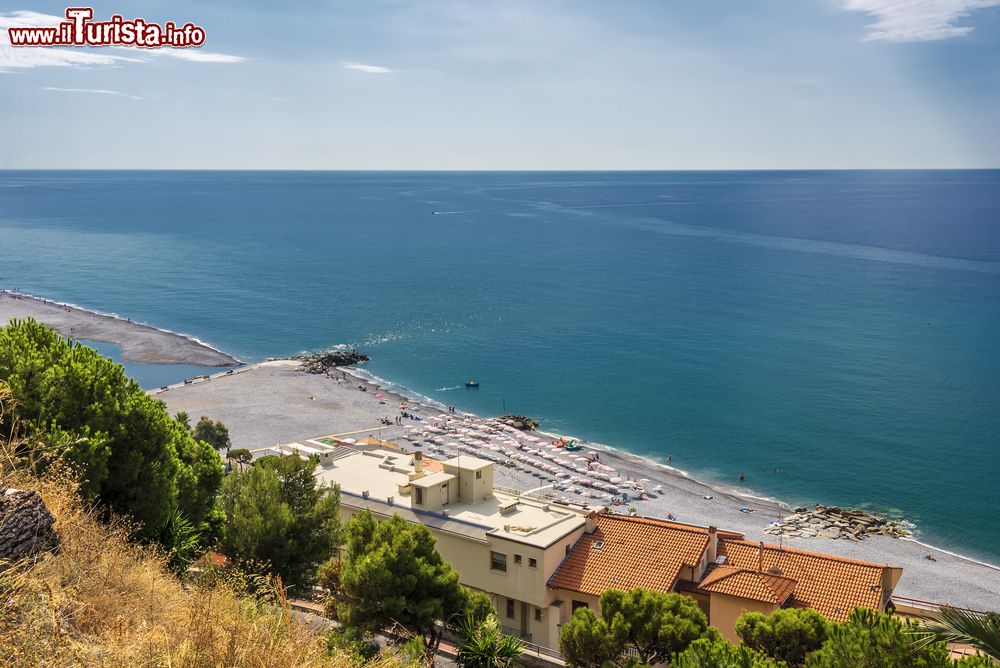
[(519, 422), (835, 523), (323, 362)]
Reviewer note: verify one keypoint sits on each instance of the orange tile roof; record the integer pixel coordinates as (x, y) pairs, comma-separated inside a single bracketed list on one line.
[(432, 465), (832, 585), (744, 583), (636, 552)]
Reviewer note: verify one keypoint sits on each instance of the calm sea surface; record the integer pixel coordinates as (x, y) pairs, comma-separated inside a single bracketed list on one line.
[(843, 327)]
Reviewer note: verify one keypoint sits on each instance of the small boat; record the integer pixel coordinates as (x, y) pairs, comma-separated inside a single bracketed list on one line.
[(472, 383), (573, 447)]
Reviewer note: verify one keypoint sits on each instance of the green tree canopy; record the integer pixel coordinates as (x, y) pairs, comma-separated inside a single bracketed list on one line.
[(214, 433), (787, 635), (651, 625), (705, 653), (275, 514), (586, 641), (870, 639), (131, 454), (392, 574), (240, 455), (479, 606)]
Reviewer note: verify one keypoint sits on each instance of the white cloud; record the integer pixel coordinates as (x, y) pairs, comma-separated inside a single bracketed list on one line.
[(368, 69), (917, 20), (28, 57), (11, 58), (196, 56), (96, 91)]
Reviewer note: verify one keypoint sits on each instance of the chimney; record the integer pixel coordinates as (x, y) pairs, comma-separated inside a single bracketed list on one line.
[(713, 544), (760, 557), (418, 462)]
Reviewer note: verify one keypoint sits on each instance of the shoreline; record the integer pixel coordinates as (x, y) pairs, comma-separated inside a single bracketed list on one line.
[(637, 466), (629, 458), (268, 403), (139, 342), (272, 403)]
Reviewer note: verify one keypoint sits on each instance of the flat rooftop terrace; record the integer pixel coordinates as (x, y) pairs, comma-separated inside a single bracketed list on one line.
[(506, 514)]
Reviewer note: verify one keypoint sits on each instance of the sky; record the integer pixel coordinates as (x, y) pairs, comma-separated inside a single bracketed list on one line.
[(514, 84)]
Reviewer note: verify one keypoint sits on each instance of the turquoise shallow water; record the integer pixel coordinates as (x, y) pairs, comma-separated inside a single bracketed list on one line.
[(151, 376), (843, 327)]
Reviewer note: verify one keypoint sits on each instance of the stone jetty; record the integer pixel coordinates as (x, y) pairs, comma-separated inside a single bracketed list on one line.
[(322, 362), (519, 422), (836, 523)]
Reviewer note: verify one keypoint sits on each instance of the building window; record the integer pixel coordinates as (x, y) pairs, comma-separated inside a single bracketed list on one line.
[(538, 614), (517, 559), (533, 562), (510, 608), (498, 562), (579, 604), (479, 474), (418, 496)]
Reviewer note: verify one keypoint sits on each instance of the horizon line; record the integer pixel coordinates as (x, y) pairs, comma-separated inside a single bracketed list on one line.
[(501, 171)]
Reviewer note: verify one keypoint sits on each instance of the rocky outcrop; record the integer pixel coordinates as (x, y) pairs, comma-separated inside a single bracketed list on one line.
[(26, 525), (519, 422), (836, 523), (323, 362)]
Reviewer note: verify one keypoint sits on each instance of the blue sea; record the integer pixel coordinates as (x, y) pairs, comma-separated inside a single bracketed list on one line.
[(842, 327)]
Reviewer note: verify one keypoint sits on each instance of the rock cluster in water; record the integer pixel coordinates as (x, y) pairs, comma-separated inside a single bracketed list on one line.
[(322, 362), (26, 525), (519, 422), (836, 523)]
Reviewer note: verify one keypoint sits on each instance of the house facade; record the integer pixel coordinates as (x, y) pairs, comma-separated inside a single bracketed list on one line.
[(539, 560), (725, 574), (502, 542)]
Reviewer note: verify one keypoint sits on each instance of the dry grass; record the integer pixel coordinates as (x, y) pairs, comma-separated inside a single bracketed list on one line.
[(102, 600)]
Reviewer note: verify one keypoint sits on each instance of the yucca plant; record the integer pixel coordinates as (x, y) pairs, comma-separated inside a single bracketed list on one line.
[(483, 644), (182, 541), (980, 630)]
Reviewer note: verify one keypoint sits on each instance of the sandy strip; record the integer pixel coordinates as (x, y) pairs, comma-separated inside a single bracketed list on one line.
[(272, 403), (139, 343)]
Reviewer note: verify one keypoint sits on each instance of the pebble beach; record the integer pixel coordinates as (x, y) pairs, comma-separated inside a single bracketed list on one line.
[(270, 403)]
